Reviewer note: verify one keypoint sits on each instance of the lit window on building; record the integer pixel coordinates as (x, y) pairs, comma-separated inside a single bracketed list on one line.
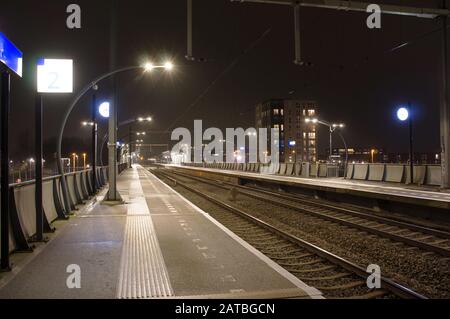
[(312, 135), (282, 127), (276, 111), (281, 112), (311, 112)]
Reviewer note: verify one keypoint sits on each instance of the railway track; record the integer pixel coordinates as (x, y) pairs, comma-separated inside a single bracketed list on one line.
[(415, 236), (333, 275)]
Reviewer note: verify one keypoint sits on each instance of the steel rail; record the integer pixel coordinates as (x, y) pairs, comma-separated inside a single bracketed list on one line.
[(395, 288), (374, 231)]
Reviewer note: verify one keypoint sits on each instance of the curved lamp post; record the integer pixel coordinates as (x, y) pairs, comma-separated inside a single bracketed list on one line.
[(147, 68), (332, 128), (404, 114), (127, 122)]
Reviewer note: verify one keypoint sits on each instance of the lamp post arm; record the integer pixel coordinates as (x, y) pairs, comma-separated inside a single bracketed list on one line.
[(64, 122), (325, 123)]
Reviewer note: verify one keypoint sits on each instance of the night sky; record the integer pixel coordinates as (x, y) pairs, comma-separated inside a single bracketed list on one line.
[(354, 77)]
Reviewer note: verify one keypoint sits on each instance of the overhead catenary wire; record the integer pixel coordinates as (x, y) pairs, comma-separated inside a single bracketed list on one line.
[(219, 77)]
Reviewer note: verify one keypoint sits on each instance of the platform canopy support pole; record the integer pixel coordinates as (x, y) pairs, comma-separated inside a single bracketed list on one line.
[(4, 222), (444, 109)]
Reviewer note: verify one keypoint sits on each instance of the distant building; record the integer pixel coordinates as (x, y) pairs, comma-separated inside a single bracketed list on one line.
[(379, 155), (298, 140)]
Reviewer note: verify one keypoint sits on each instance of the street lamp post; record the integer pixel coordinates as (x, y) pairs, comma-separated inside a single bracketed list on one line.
[(332, 128), (94, 126), (130, 137), (124, 123), (74, 156), (94, 140), (31, 161), (404, 114), (138, 134), (148, 67), (84, 160)]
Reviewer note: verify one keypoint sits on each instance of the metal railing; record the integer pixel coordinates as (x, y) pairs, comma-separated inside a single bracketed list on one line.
[(22, 208)]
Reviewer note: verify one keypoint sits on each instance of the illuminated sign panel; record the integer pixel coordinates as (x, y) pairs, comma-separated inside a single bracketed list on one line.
[(55, 76), (10, 55)]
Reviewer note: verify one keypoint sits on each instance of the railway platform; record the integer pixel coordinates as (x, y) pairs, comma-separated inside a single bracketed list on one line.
[(428, 197), (156, 245)]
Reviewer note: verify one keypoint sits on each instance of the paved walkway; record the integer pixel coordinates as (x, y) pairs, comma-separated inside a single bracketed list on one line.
[(157, 245)]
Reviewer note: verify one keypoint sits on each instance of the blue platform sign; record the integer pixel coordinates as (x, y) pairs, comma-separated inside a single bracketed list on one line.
[(10, 55)]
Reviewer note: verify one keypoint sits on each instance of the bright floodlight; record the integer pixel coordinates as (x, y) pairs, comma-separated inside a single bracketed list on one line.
[(149, 119), (103, 109), (148, 66), (168, 66), (403, 114), (310, 120), (140, 119)]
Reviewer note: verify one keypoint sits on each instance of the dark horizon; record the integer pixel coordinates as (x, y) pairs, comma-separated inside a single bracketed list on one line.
[(354, 77)]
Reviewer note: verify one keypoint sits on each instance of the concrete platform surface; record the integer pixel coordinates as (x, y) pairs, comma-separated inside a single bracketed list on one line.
[(156, 245), (399, 191)]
